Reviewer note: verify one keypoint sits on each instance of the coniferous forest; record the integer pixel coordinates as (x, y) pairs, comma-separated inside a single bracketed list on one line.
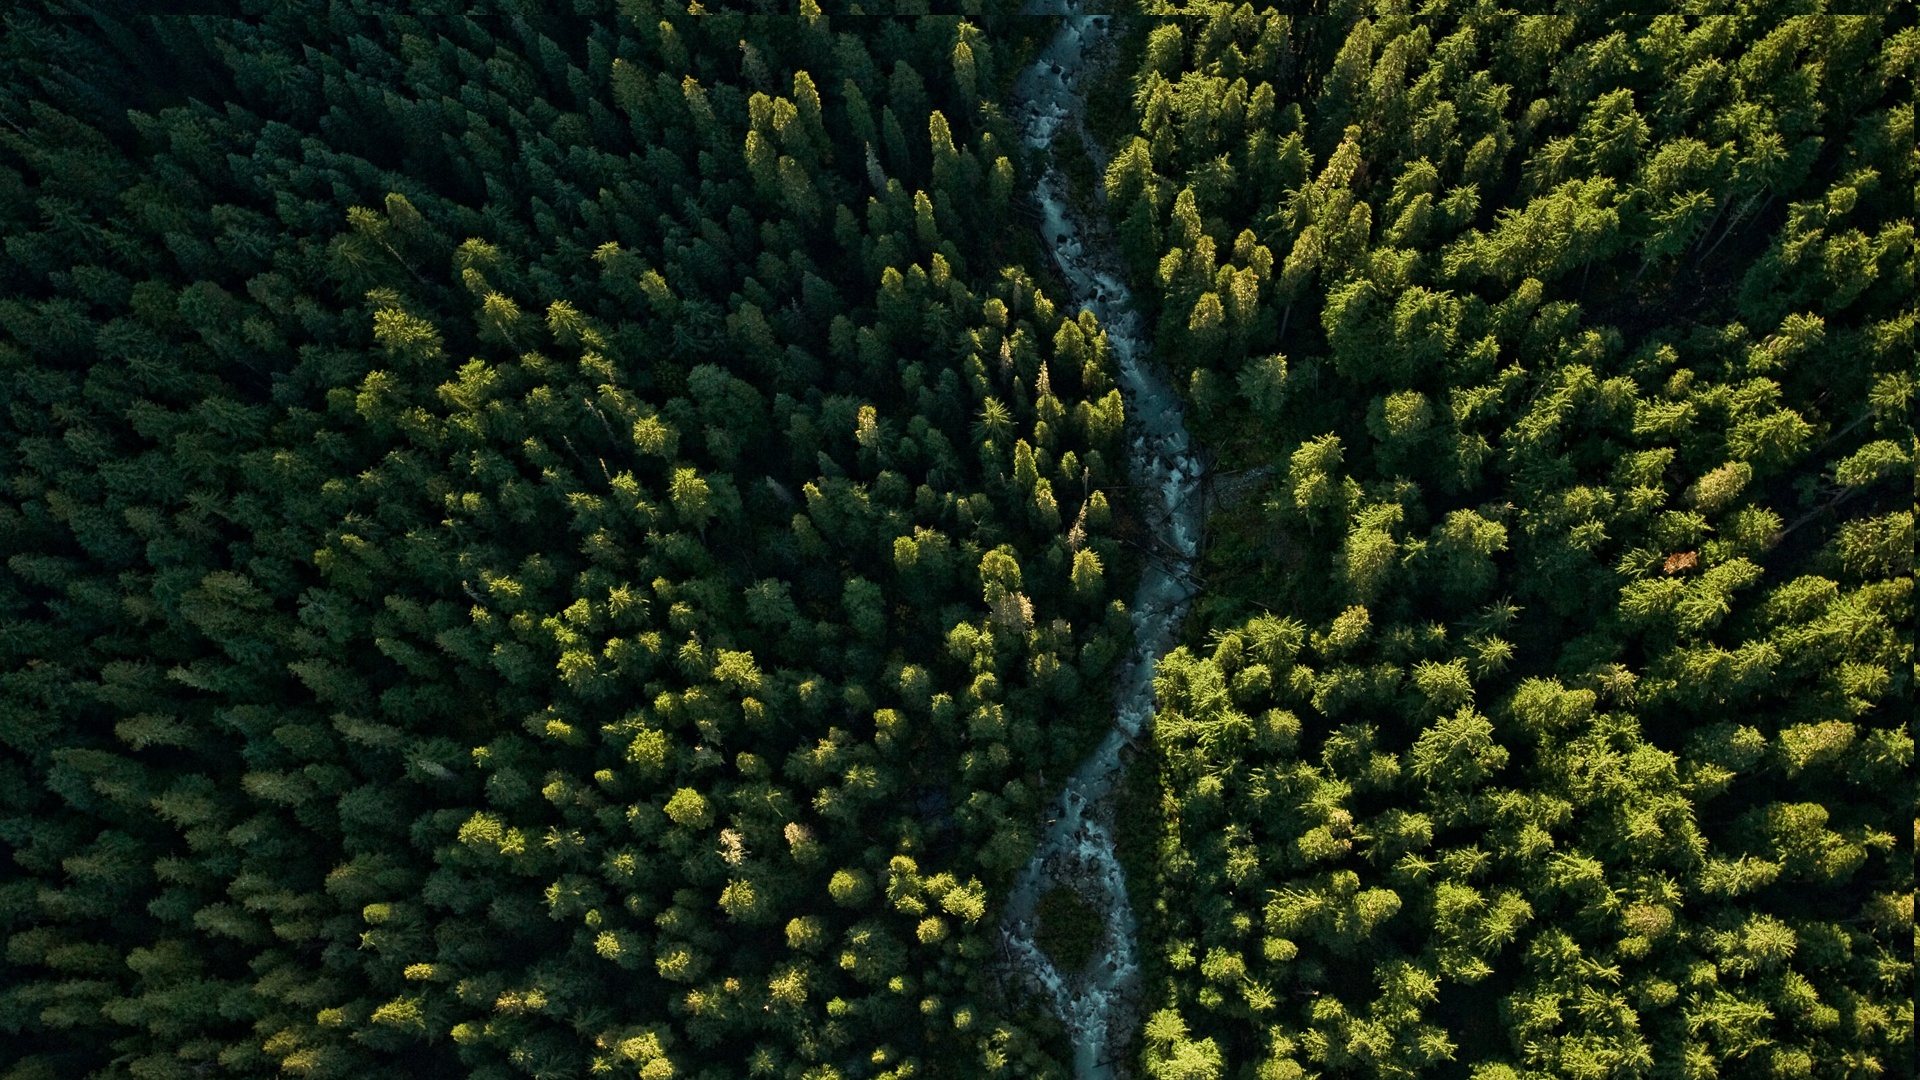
[(583, 539)]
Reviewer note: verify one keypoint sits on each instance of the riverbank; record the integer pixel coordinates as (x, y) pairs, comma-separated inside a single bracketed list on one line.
[(1098, 1004)]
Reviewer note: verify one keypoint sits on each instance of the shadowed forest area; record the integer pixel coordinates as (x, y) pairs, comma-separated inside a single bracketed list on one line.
[(578, 539)]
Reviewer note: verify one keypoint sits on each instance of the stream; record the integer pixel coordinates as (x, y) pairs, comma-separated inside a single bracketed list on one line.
[(1099, 1004)]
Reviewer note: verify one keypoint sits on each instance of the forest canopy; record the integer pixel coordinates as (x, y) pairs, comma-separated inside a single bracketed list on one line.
[(564, 540), (1548, 710)]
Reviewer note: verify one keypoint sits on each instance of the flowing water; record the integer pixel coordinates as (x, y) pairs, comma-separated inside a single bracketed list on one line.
[(1098, 1005)]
